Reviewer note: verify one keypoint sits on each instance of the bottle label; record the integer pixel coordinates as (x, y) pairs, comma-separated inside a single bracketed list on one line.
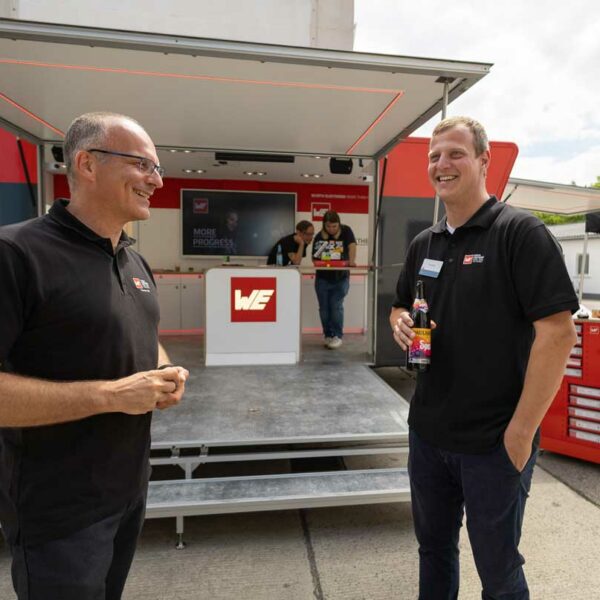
[(420, 349), (420, 304)]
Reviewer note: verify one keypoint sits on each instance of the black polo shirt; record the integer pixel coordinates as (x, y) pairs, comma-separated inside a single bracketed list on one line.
[(71, 309), (288, 246), (502, 270)]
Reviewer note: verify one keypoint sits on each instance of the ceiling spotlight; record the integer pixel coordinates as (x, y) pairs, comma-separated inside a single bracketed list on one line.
[(173, 150), (248, 172), (317, 175), (260, 173), (187, 151), (199, 171), (306, 175), (188, 170)]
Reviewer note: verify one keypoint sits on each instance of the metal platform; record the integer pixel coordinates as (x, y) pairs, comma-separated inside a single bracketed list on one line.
[(189, 497), (298, 404), (330, 405)]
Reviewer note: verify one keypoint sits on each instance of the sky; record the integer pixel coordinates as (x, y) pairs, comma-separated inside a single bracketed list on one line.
[(543, 91)]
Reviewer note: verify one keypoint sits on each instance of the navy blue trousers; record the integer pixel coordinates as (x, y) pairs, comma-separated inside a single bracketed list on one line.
[(90, 564), (492, 493), (330, 295)]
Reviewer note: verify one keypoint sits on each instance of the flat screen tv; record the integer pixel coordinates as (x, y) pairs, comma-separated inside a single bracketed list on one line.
[(222, 223)]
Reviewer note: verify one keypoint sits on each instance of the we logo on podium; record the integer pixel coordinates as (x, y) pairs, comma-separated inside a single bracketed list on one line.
[(253, 299)]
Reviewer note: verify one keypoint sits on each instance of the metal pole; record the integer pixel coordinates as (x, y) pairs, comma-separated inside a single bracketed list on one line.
[(41, 187), (436, 205), (372, 273), (582, 269)]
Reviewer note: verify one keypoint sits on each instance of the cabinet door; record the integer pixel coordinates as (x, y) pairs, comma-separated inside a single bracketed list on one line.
[(192, 305), (169, 301)]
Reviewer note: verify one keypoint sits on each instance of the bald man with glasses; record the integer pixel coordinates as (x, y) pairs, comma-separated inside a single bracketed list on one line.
[(81, 370)]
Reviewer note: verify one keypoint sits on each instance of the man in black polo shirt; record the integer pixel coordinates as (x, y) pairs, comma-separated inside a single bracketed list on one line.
[(500, 294), (79, 353), (293, 246)]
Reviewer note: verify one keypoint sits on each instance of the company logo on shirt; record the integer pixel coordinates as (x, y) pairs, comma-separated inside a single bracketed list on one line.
[(253, 299), (469, 259), (594, 330), (141, 284), (318, 210), (200, 206)]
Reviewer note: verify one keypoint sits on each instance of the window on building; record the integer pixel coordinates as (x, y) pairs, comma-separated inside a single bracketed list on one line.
[(587, 264)]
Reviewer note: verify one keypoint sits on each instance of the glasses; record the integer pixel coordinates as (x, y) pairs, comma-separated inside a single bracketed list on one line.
[(145, 165)]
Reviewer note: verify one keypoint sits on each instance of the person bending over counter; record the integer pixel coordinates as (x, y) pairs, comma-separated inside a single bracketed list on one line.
[(293, 246), (335, 245)]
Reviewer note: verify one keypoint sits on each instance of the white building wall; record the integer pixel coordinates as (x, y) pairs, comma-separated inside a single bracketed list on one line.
[(573, 247), (316, 23)]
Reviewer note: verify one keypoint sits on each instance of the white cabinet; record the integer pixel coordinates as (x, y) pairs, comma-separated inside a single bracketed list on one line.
[(180, 297), (192, 302)]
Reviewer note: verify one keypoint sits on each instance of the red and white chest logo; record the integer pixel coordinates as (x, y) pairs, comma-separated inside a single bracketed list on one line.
[(470, 259), (253, 299), (141, 284)]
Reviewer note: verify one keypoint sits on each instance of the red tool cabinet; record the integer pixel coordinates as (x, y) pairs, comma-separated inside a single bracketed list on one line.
[(572, 425)]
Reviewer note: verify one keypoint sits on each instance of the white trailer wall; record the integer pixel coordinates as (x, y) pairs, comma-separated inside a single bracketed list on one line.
[(309, 23)]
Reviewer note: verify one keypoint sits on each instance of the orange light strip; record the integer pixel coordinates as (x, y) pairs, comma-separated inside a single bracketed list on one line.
[(375, 122), (292, 84), (30, 114)]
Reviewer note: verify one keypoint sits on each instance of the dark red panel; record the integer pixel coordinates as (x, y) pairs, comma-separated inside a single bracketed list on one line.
[(11, 168)]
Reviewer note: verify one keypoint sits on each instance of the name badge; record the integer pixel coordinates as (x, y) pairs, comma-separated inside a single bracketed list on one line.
[(431, 268)]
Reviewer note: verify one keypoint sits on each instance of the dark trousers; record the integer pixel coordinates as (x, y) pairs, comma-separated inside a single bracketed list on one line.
[(90, 564), (492, 492), (330, 295)]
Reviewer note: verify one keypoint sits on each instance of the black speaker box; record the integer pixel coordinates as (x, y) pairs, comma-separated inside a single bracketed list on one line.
[(340, 166)]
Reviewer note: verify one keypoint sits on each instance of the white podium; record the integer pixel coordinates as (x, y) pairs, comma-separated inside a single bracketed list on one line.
[(252, 316)]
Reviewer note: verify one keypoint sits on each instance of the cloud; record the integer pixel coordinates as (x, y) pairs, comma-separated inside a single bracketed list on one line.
[(582, 168), (544, 85)]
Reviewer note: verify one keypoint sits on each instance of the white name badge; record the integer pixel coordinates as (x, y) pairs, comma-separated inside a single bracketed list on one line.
[(431, 268)]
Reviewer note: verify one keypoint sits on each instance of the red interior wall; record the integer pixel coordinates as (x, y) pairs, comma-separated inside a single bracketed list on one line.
[(343, 198)]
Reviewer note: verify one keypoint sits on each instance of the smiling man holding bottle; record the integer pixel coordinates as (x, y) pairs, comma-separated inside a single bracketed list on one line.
[(500, 301)]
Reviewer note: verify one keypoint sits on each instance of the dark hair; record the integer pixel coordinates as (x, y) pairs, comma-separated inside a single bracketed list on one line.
[(302, 226), (331, 217)]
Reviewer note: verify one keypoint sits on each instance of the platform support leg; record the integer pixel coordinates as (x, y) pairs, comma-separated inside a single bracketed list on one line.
[(180, 545)]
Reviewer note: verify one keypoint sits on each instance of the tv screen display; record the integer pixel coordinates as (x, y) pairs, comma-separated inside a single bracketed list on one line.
[(216, 222)]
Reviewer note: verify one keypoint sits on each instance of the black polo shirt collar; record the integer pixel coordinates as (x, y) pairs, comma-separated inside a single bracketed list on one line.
[(483, 217), (59, 214)]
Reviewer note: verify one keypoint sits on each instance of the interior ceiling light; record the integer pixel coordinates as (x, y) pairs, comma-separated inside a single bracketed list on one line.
[(188, 170), (315, 175)]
